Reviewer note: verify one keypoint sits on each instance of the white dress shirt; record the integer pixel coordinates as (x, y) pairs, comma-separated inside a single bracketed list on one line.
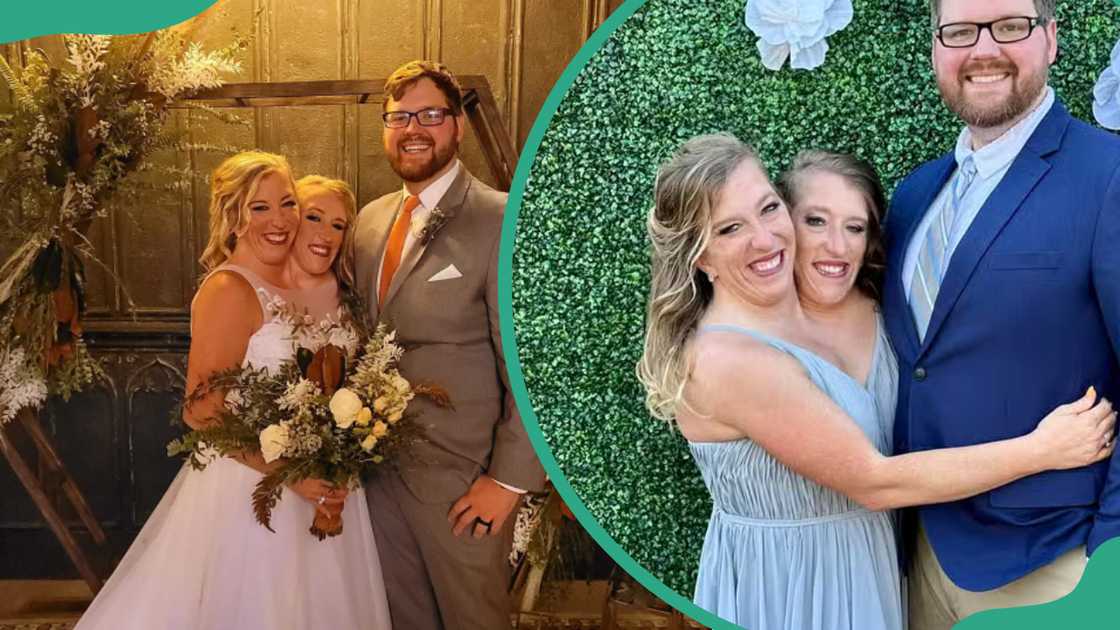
[(429, 199)]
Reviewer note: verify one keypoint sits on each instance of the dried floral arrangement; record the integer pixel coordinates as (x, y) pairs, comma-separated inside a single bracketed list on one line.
[(72, 140)]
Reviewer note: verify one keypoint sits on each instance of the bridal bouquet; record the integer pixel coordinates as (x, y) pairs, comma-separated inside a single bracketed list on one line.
[(334, 412)]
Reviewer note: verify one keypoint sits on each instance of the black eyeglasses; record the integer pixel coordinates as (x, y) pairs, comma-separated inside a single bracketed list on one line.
[(431, 117), (1005, 31)]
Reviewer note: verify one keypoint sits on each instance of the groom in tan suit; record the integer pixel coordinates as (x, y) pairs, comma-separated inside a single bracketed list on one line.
[(426, 260)]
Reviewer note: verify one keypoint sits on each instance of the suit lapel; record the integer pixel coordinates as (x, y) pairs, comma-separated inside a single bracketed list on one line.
[(1024, 174), (450, 204), (941, 172), (375, 232)]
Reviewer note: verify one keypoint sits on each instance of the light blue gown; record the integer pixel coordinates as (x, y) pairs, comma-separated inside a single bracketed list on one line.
[(783, 552)]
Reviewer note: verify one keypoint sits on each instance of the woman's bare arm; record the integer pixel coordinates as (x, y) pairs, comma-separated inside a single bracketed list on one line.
[(765, 395), (225, 314)]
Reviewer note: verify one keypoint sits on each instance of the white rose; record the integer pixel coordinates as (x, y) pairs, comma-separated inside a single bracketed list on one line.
[(395, 417), (379, 429), (274, 441), (345, 406), (369, 442)]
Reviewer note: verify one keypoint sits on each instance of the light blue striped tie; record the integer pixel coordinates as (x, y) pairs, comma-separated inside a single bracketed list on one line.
[(933, 257)]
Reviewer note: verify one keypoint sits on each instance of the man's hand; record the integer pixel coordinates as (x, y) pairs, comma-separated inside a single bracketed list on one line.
[(486, 501)]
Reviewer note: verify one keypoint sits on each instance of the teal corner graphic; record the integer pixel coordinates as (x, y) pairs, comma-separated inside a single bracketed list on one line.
[(1088, 607), (110, 17)]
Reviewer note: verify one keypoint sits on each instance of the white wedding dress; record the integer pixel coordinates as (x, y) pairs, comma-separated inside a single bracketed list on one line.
[(202, 562)]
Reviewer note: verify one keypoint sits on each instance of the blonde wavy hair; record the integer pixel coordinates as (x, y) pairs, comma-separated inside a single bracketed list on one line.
[(309, 185), (232, 186), (686, 190)]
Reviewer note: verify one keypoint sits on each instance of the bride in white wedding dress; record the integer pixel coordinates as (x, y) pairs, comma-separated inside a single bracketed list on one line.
[(201, 560)]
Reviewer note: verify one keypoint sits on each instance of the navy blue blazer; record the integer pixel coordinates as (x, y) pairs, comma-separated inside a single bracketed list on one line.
[(1027, 318)]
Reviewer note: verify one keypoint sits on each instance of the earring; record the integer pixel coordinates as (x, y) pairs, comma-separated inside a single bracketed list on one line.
[(712, 276)]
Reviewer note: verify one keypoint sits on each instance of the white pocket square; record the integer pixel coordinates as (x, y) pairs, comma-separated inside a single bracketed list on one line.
[(449, 273)]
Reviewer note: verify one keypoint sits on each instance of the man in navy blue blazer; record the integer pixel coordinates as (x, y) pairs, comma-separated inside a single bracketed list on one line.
[(1002, 300)]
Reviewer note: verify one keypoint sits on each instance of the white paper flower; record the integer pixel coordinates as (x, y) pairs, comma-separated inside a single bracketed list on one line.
[(1106, 93), (274, 441), (345, 406), (796, 29)]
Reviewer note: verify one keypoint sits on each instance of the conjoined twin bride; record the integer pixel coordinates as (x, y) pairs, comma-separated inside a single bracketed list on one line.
[(202, 560)]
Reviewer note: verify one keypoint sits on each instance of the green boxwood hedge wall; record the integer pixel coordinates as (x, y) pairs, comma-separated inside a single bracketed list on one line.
[(675, 69)]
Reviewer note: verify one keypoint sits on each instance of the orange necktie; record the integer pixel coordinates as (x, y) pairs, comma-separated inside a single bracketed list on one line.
[(395, 246)]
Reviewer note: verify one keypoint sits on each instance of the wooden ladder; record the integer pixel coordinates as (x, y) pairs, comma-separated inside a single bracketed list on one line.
[(41, 490)]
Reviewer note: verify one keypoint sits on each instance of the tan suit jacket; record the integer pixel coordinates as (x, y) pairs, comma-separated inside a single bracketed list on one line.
[(449, 329)]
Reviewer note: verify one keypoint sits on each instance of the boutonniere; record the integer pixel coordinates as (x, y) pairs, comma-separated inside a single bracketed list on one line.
[(437, 218)]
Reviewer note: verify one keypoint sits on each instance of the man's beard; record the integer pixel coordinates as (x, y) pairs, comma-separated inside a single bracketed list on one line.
[(1023, 96), (414, 172)]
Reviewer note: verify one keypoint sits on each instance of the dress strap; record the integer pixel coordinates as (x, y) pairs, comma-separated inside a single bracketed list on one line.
[(780, 344), (252, 277), (809, 360), (264, 291)]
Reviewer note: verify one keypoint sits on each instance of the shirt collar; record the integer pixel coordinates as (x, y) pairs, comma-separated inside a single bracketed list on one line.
[(998, 155), (433, 194)]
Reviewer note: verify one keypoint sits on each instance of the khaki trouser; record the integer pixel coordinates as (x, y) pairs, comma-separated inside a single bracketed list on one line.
[(936, 603)]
